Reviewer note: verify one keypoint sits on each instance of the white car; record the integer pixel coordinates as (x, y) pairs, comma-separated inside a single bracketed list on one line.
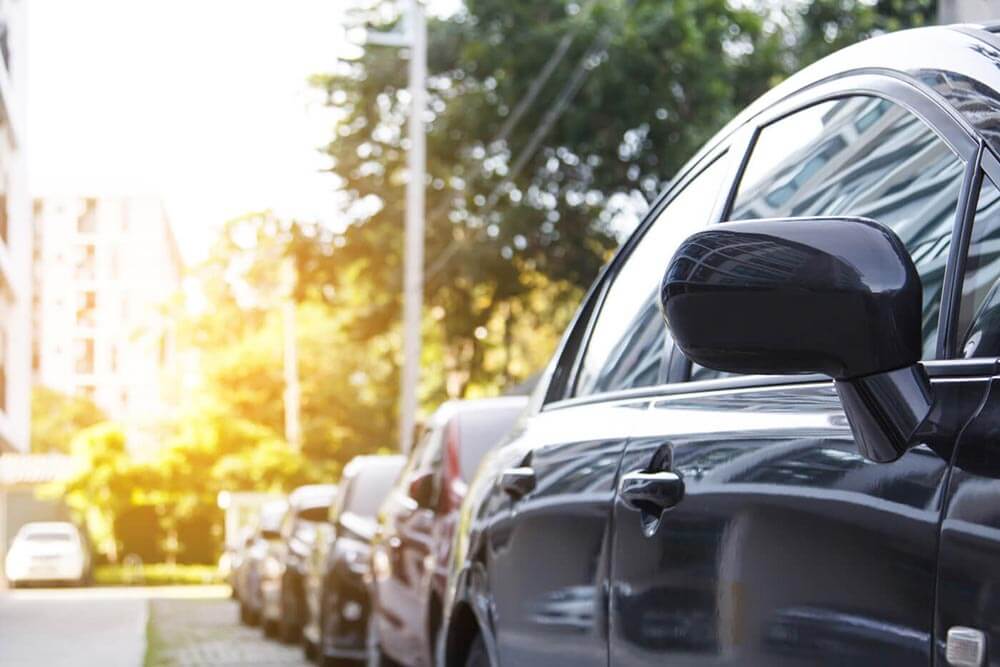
[(48, 552)]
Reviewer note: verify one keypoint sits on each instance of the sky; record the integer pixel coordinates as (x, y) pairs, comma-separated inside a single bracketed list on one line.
[(202, 102)]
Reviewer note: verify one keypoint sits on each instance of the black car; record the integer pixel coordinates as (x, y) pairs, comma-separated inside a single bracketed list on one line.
[(412, 549), (695, 489), (282, 582), (261, 543), (338, 574)]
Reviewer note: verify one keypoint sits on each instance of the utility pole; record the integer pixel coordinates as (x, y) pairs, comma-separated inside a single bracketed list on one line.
[(415, 39), (293, 392)]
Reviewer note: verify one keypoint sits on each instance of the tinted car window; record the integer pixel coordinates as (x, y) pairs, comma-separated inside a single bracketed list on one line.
[(629, 338), (369, 488), (860, 156), (979, 313), (481, 431)]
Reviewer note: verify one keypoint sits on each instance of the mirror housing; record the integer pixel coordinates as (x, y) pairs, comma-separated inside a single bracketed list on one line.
[(421, 489), (838, 296)]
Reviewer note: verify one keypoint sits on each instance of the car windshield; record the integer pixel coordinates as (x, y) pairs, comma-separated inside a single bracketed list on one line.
[(48, 537), (481, 431), (369, 488)]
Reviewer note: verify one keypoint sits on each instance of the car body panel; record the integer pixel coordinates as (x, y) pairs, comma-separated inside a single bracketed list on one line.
[(788, 547), (414, 542)]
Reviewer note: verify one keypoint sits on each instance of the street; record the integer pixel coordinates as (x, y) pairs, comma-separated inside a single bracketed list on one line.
[(98, 626), (111, 627)]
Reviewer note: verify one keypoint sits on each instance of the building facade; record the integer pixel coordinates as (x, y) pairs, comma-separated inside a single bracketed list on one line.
[(105, 272), (15, 235), (968, 11)]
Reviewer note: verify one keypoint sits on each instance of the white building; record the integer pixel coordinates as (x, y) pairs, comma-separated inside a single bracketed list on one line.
[(968, 11), (105, 270), (15, 235)]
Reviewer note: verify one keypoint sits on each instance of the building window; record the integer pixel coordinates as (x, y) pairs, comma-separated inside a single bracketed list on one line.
[(86, 265), (86, 312), (85, 356), (87, 222)]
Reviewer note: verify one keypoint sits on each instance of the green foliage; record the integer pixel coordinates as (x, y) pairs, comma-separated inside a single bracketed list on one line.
[(57, 417), (156, 574)]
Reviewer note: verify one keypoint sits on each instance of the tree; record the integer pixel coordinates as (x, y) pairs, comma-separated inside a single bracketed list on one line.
[(537, 202), (57, 417)]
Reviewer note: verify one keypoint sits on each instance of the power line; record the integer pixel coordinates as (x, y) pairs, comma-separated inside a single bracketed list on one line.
[(576, 80)]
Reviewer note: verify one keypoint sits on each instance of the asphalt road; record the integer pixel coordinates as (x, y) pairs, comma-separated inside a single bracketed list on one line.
[(84, 627)]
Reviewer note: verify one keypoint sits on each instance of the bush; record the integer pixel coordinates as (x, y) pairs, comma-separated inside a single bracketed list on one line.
[(156, 574)]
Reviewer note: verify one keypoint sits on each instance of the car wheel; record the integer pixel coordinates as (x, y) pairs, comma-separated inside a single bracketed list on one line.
[(247, 615), (288, 628), (477, 654), (376, 657)]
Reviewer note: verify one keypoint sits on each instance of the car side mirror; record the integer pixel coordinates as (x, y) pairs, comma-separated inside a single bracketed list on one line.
[(422, 489), (838, 296)]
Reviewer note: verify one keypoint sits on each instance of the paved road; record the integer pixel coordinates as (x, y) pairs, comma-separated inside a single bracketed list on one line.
[(202, 630), (79, 627)]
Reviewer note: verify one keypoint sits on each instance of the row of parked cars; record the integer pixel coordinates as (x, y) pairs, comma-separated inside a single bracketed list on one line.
[(770, 436), (357, 571)]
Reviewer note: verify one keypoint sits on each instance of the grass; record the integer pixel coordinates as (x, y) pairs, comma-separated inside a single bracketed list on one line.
[(156, 574), (156, 646)]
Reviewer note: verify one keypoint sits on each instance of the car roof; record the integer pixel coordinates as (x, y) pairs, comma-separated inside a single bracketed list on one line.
[(946, 62), (450, 409), (359, 463), (312, 495)]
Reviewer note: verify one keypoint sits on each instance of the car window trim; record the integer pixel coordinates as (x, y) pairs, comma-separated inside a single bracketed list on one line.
[(937, 369), (988, 167)]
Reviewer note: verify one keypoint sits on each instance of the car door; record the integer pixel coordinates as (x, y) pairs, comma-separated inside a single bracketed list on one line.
[(405, 540), (549, 538), (969, 577), (748, 528)]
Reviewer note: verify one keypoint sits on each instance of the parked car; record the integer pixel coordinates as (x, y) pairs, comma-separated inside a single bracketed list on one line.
[(338, 576), (231, 558), (48, 552), (696, 490), (412, 548), (283, 572), (250, 570)]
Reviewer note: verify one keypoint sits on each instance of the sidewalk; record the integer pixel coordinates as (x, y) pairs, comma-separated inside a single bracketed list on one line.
[(203, 629)]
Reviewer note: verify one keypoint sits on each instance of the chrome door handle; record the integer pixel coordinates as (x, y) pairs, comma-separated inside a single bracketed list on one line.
[(517, 482), (651, 492)]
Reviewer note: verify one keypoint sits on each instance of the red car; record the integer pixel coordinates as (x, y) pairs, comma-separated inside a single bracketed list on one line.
[(411, 552)]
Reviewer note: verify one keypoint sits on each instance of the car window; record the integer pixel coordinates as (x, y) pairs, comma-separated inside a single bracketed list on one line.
[(629, 338), (860, 156), (979, 312)]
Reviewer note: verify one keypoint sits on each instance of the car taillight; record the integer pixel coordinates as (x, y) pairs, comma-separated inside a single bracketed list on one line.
[(454, 486)]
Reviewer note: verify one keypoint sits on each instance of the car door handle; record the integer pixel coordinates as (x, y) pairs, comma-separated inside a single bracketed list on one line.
[(651, 492), (517, 482)]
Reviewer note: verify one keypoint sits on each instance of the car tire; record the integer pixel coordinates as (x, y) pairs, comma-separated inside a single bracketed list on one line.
[(376, 656), (288, 632), (270, 628), (477, 656), (247, 615)]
